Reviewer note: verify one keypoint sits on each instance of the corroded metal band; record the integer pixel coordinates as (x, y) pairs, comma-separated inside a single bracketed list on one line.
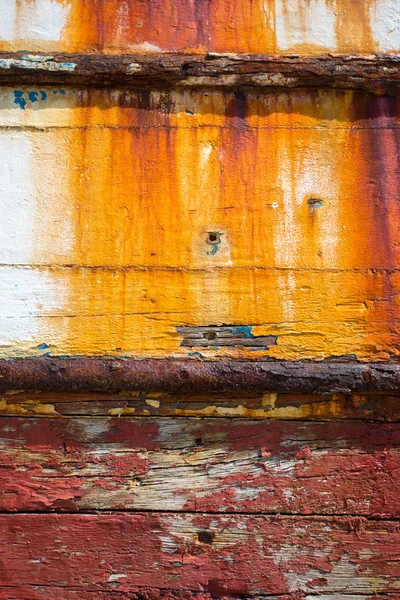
[(169, 375), (378, 73)]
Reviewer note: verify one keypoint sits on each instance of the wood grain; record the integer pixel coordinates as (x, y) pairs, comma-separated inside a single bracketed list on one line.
[(224, 555), (202, 465), (106, 250), (313, 407)]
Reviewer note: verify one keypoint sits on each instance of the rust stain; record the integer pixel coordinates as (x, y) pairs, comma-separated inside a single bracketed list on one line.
[(353, 25), (259, 26), (152, 174), (153, 26)]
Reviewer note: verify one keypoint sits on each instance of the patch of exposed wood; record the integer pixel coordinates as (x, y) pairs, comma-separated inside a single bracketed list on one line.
[(224, 555), (200, 465)]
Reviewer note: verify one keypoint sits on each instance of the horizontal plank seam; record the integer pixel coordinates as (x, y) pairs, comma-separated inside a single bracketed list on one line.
[(270, 515), (374, 421), (135, 595), (175, 268)]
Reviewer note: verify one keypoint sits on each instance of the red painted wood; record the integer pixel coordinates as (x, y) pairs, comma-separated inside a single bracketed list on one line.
[(224, 555), (44, 593), (210, 465)]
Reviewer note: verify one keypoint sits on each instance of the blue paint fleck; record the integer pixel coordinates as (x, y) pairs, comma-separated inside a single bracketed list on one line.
[(43, 346), (314, 203), (33, 96), (189, 112), (62, 92), (195, 354), (365, 406), (244, 329), (43, 95), (19, 99), (55, 91)]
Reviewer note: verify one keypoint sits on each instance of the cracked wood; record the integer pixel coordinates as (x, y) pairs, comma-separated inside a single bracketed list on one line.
[(220, 554), (203, 465)]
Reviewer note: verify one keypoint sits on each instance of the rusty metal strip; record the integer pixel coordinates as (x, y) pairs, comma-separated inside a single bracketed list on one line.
[(378, 73), (170, 375)]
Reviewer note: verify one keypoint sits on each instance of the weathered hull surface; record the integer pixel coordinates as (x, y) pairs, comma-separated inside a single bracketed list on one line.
[(248, 215), (130, 214), (265, 26)]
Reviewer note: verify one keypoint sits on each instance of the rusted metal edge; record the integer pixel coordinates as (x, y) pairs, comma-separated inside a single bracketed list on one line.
[(173, 376), (377, 73)]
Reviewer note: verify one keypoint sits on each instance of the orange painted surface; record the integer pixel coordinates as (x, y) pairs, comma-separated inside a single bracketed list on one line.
[(261, 26), (300, 190)]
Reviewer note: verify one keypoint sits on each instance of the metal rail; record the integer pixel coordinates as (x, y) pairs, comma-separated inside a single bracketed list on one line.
[(377, 73), (173, 376)]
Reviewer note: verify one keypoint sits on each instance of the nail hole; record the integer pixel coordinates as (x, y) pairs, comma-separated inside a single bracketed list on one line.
[(209, 335), (314, 203), (205, 537), (214, 237), (199, 441)]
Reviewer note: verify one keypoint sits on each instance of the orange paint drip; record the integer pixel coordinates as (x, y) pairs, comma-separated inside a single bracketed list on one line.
[(200, 208)]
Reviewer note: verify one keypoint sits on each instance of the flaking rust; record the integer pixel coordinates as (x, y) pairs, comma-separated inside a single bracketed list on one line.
[(170, 375), (377, 73)]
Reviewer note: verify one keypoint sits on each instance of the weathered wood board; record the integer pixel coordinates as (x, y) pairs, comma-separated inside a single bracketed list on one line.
[(164, 197), (113, 199), (312, 407), (224, 554), (201, 465)]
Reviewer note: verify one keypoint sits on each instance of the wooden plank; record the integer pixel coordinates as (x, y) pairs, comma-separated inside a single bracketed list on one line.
[(224, 555), (136, 311), (224, 335), (314, 407), (76, 593), (200, 465), (274, 26), (105, 251)]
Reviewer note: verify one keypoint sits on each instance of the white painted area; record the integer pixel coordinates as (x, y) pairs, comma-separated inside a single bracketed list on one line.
[(122, 20), (205, 153), (385, 24), (33, 19), (27, 297), (35, 215), (8, 12), (305, 22), (17, 198)]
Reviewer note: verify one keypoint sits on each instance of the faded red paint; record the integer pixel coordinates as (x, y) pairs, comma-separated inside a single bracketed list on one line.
[(200, 465), (273, 555)]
